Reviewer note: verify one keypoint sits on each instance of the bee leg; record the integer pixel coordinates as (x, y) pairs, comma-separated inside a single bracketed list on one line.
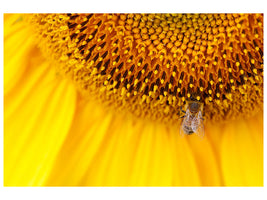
[(200, 115), (181, 108)]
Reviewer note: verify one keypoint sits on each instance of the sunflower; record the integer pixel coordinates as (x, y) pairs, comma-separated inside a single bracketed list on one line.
[(95, 99)]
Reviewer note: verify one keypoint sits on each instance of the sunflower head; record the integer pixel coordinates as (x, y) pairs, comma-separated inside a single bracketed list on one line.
[(154, 66), (151, 64)]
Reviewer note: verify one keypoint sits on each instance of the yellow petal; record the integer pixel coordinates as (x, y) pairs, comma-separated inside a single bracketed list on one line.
[(207, 159), (242, 152), (142, 154), (36, 129), (18, 47), (85, 138), (37, 72), (107, 149)]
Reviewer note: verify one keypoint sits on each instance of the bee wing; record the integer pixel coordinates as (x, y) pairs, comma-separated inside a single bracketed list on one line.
[(200, 131)]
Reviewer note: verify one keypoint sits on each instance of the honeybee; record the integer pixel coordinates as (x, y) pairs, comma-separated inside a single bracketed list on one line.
[(193, 119)]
